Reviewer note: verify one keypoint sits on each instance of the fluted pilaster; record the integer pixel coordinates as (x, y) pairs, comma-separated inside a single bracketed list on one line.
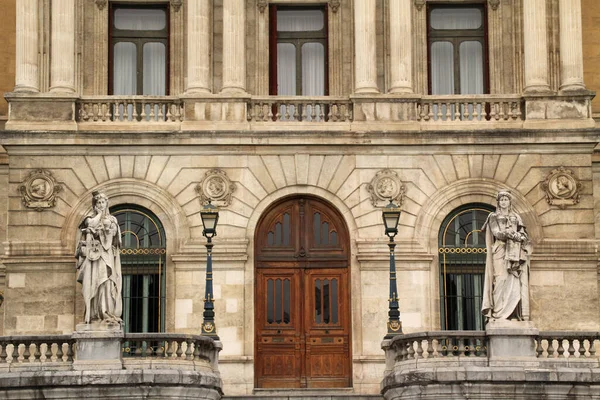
[(62, 53), (198, 47), (27, 64), (365, 63), (536, 46), (401, 46), (571, 52), (234, 46)]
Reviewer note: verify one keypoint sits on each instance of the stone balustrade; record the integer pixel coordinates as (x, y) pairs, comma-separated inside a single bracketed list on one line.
[(299, 109), (507, 361), (566, 344), (57, 349), (477, 108), (70, 366), (133, 109), (439, 344), (241, 111)]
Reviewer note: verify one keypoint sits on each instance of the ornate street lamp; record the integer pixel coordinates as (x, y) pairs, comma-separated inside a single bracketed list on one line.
[(210, 217), (391, 217)]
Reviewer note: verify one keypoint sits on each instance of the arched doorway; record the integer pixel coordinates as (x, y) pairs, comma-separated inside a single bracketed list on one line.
[(302, 296)]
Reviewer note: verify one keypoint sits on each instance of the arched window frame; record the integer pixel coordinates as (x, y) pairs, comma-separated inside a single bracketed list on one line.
[(145, 257), (462, 260)]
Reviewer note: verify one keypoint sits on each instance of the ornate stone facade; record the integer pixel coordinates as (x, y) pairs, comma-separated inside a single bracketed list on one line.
[(218, 135)]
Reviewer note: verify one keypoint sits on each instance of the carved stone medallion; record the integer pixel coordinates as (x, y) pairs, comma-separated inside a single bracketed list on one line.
[(39, 190), (216, 187), (386, 186), (561, 187)]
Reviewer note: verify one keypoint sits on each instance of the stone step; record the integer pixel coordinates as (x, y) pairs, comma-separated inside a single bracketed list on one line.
[(304, 394)]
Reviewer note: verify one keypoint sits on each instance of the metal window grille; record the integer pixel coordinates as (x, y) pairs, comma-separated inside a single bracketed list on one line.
[(462, 254)]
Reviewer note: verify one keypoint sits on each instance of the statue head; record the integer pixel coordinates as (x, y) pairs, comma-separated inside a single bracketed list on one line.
[(501, 194), (98, 196)]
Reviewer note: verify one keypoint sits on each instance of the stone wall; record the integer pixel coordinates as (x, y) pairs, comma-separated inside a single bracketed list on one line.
[(591, 46), (42, 294)]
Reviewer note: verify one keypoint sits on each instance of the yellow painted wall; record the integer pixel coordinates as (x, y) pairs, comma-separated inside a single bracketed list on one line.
[(591, 48), (7, 52)]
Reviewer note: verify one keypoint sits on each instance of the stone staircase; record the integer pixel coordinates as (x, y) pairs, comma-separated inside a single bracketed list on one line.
[(305, 394)]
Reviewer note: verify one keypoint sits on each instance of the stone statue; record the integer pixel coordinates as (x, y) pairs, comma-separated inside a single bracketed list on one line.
[(99, 263), (506, 281)]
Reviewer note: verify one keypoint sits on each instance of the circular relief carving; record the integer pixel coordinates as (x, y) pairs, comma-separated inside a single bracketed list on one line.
[(563, 186), (384, 187), (39, 190), (216, 188)]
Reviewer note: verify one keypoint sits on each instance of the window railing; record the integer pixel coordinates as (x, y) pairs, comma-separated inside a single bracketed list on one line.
[(477, 108), (101, 110), (299, 109), (130, 109)]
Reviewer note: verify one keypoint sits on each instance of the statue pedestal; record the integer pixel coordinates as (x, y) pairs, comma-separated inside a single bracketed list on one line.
[(513, 340), (98, 346)]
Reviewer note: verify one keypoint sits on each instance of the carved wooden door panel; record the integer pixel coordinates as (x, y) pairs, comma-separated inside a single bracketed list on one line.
[(302, 297)]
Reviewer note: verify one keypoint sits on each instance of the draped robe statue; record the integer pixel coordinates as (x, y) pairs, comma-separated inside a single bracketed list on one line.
[(506, 281), (99, 263)]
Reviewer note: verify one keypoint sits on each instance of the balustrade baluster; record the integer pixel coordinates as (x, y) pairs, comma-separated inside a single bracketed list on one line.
[(179, 351), (440, 348), (27, 352), (501, 114), (430, 114), (296, 115), (456, 112), (419, 349), (3, 354), (581, 347), (411, 350), (571, 349), (476, 113), (429, 348), (48, 353), (188, 350), (59, 352), (561, 349), (447, 115), (550, 348), (592, 348), (330, 110), (70, 345), (149, 350), (539, 349), (461, 347), (466, 113), (197, 349), (15, 353), (348, 113), (37, 354), (161, 112), (170, 116)]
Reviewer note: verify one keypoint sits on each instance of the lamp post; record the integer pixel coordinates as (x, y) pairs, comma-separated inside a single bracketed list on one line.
[(210, 217), (391, 217)]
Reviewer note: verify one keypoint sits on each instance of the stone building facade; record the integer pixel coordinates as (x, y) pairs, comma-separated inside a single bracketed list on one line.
[(380, 125)]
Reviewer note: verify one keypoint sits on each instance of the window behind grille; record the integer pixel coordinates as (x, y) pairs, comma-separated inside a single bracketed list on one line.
[(462, 254)]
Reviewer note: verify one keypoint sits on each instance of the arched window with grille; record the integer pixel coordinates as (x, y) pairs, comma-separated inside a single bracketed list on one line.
[(143, 256), (462, 255)]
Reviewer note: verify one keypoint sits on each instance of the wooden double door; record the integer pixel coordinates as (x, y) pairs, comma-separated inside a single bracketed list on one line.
[(302, 298)]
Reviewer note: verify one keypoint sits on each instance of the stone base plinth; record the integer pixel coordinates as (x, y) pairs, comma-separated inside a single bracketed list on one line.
[(98, 346), (511, 339)]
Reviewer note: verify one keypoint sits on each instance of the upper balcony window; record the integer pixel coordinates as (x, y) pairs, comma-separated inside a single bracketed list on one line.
[(139, 46), (457, 49), (298, 51)]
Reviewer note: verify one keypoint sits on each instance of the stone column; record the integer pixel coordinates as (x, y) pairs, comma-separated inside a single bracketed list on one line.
[(234, 46), (571, 52), (365, 63), (536, 46), (62, 53), (401, 46), (27, 65), (198, 47)]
